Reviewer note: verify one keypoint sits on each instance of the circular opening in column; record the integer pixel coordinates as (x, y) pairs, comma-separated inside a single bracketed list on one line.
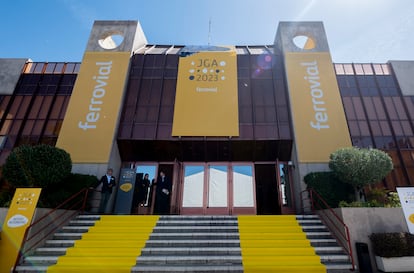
[(111, 40), (304, 42)]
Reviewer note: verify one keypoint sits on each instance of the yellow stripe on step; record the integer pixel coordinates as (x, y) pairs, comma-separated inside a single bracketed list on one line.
[(276, 243), (111, 245)]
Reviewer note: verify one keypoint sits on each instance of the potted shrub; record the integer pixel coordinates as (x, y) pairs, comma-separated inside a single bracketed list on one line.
[(394, 252)]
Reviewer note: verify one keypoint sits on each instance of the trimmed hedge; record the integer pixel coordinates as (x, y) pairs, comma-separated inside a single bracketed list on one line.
[(36, 166), (393, 244), (54, 195), (329, 187), (46, 167)]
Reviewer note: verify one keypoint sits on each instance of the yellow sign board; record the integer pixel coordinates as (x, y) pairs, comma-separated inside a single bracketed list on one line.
[(19, 217), (206, 102), (92, 115), (318, 115)]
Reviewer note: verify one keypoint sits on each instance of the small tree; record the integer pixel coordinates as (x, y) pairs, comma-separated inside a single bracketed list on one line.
[(360, 167), (36, 166)]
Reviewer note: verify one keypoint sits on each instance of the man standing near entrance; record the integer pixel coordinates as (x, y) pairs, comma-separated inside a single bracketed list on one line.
[(108, 182), (163, 192)]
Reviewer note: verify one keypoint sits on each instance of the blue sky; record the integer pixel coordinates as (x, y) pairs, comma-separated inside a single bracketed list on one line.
[(357, 30)]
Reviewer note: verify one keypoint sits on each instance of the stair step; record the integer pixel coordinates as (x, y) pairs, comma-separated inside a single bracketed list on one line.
[(82, 223), (336, 258), (329, 249), (339, 266), (48, 251), (80, 229), (314, 228), (39, 260), (193, 268), (195, 229), (187, 243), (323, 242), (192, 251), (198, 217), (201, 222), (310, 222), (190, 260), (307, 216), (67, 235), (31, 268), (194, 235), (59, 243), (88, 217), (318, 234)]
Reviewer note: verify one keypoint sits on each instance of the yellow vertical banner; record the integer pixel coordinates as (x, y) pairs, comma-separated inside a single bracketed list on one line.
[(206, 102), (19, 217), (319, 118), (92, 115)]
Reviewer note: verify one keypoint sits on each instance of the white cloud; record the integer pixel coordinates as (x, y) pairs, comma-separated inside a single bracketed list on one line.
[(388, 37)]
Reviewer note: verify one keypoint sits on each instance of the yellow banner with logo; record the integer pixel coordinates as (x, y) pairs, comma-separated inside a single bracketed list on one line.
[(88, 129), (318, 115), (19, 217), (206, 102)]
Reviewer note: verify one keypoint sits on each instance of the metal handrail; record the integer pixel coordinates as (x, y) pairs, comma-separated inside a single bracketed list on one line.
[(72, 206), (317, 203)]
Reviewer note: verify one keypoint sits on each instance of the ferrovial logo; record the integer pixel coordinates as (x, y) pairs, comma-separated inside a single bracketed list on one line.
[(320, 120), (17, 220), (98, 93)]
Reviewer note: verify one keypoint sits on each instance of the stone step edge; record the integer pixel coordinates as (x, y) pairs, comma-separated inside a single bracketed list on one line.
[(192, 268)]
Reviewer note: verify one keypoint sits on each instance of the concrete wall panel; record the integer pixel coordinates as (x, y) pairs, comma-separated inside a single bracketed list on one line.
[(10, 70), (404, 71)]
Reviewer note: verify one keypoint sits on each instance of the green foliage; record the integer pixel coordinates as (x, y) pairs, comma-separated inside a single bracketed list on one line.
[(5, 198), (394, 199), (396, 244), (76, 181), (36, 166), (354, 204), (55, 194), (375, 198), (360, 167), (329, 187), (384, 198), (45, 167)]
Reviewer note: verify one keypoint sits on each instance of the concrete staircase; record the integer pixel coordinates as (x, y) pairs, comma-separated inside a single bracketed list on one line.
[(188, 244), (192, 244), (326, 246), (47, 255)]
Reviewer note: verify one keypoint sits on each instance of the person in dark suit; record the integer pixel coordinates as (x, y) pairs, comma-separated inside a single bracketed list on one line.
[(108, 182), (163, 193), (143, 190)]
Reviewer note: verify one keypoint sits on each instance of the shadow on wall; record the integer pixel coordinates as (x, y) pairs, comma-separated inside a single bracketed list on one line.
[(362, 222)]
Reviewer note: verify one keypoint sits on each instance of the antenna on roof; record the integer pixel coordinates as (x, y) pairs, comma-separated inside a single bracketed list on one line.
[(209, 31)]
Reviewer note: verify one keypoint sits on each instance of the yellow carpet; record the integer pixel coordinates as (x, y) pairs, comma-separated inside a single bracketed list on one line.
[(112, 245), (276, 243)]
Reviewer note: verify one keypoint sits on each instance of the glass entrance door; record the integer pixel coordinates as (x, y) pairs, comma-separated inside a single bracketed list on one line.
[(193, 190), (218, 188), (244, 201), (143, 191), (217, 191)]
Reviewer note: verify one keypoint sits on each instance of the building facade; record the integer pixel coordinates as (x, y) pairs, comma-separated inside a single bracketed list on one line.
[(235, 128)]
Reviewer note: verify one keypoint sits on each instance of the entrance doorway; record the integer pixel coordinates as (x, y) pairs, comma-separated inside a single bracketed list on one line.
[(267, 194), (144, 202), (221, 188), (218, 188)]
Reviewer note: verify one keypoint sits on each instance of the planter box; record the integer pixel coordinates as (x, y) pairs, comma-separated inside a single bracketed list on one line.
[(395, 264)]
